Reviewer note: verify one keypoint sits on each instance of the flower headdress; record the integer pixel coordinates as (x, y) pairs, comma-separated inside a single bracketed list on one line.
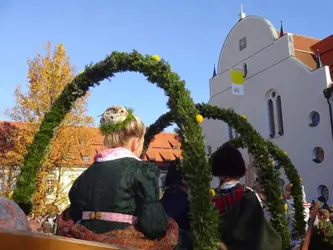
[(115, 119)]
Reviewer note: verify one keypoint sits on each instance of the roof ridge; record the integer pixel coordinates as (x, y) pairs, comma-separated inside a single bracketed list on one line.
[(314, 38)]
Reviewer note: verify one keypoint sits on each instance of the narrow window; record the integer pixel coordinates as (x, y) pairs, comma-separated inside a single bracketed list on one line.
[(236, 134), (231, 132), (50, 188), (271, 118), (279, 115)]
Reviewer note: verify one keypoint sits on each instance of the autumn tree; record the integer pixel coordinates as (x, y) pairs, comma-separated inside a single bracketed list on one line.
[(48, 75), (12, 143)]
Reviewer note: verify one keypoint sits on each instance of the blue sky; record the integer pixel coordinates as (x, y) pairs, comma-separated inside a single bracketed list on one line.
[(187, 33)]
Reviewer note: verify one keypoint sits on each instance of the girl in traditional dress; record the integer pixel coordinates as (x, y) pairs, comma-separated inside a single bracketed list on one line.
[(290, 207), (116, 200), (243, 224)]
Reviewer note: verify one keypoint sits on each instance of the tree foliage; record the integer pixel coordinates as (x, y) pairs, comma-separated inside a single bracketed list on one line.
[(48, 76), (263, 152), (205, 222), (12, 144)]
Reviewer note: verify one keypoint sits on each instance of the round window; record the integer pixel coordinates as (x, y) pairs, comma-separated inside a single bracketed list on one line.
[(314, 119), (318, 155), (323, 192)]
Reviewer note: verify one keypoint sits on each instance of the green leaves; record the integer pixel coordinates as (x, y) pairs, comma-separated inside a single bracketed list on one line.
[(205, 218), (262, 151)]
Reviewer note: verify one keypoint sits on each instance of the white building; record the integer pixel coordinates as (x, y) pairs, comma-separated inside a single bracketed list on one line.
[(283, 97)]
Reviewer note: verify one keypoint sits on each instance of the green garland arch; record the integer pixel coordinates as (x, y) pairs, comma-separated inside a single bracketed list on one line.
[(182, 108), (183, 112), (277, 154), (263, 151)]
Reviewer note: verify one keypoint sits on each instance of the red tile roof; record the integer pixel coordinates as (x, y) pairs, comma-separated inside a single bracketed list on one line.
[(162, 149), (325, 49), (302, 49), (165, 147), (303, 52)]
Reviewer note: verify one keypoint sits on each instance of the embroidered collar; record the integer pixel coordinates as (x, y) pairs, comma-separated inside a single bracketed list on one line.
[(114, 154), (228, 198), (229, 184)]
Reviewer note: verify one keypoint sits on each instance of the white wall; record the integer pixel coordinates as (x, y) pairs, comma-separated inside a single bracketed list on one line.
[(301, 90), (67, 178)]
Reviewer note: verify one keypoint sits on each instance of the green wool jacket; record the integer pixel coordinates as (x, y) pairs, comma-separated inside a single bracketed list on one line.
[(243, 225), (126, 186)]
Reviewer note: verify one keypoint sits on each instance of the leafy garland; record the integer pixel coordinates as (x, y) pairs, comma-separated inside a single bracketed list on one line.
[(107, 128), (157, 127), (278, 155), (182, 109), (263, 151)]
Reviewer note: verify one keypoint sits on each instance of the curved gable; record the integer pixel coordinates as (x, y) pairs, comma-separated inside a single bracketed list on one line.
[(246, 38)]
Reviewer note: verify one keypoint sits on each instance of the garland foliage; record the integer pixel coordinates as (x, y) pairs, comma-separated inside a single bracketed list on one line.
[(183, 112), (263, 152), (107, 128), (291, 172), (157, 127), (195, 165)]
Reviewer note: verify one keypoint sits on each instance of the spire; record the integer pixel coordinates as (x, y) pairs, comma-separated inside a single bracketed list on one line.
[(281, 30), (319, 63), (214, 71), (242, 15)]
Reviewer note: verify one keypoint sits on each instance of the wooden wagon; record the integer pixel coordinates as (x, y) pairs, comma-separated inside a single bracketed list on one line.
[(13, 240)]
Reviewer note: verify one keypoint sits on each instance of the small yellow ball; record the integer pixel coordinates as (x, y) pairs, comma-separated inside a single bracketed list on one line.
[(285, 207), (82, 71), (199, 118), (300, 179), (212, 192), (285, 153), (156, 58), (243, 116), (10, 195)]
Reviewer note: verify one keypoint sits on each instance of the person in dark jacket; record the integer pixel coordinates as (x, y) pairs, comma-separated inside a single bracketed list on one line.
[(175, 202), (116, 199), (242, 220)]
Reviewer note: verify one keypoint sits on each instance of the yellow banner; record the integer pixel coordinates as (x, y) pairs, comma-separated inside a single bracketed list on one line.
[(237, 76)]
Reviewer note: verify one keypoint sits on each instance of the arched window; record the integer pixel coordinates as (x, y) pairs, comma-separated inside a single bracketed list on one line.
[(51, 184), (271, 119), (279, 115), (323, 192), (208, 150), (232, 133), (275, 114)]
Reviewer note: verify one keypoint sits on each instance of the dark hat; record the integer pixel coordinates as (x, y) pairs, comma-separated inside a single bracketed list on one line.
[(175, 174), (227, 161)]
